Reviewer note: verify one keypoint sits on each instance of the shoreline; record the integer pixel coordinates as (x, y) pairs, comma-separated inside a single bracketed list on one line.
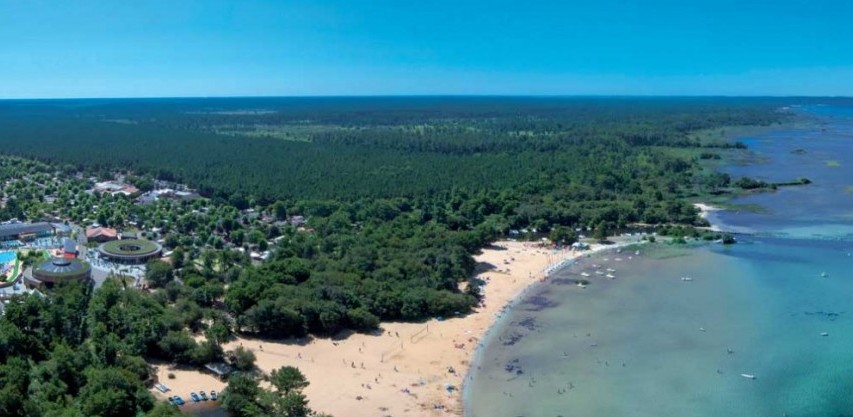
[(595, 249), (705, 211), (404, 369)]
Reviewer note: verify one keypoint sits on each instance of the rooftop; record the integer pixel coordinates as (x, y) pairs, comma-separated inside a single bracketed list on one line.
[(61, 267), (100, 231), (19, 228)]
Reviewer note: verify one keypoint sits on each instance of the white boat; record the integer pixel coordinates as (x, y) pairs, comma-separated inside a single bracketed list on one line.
[(824, 274), (686, 279), (584, 274), (748, 376), (599, 273), (582, 285), (611, 270), (611, 276), (824, 334)]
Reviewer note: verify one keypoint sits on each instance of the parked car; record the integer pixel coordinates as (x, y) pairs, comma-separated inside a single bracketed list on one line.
[(195, 397), (203, 395), (213, 395)]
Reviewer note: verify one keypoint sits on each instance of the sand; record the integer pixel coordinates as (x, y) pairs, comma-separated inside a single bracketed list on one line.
[(406, 368), (185, 380), (704, 209)]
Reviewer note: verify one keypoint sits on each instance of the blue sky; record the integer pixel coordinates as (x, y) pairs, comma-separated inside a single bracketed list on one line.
[(215, 48)]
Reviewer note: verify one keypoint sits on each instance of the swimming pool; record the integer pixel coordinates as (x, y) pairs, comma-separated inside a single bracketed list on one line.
[(7, 257)]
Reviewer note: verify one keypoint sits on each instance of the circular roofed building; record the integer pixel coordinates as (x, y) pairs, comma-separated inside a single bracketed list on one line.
[(130, 251), (56, 270)]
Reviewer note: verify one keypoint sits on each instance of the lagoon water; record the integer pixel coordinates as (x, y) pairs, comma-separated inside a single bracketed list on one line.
[(778, 305)]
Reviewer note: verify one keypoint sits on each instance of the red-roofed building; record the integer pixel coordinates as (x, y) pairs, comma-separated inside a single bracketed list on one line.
[(101, 234)]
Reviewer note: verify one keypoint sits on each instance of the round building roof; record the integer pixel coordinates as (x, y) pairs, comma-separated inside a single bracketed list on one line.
[(130, 248), (61, 268)]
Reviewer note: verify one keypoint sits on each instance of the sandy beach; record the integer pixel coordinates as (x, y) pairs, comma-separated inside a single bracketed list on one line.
[(405, 369), (704, 209)]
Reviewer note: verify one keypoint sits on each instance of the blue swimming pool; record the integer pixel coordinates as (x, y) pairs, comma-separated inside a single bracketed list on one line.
[(7, 257)]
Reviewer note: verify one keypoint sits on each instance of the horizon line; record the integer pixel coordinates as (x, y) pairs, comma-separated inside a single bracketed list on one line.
[(438, 95)]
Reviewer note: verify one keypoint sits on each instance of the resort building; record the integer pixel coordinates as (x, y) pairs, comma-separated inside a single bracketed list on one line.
[(25, 231), (69, 248), (61, 229), (56, 270), (114, 187), (130, 251), (101, 234)]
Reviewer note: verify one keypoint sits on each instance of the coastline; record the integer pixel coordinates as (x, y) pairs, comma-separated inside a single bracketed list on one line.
[(705, 211), (411, 369)]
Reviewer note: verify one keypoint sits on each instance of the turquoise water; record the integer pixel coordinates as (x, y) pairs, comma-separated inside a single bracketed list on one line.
[(650, 344), (7, 257)]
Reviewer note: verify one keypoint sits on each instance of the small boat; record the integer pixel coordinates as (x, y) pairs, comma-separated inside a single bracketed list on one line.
[(686, 279), (611, 276), (824, 274), (824, 334), (584, 274), (637, 253), (582, 285), (748, 376), (611, 270)]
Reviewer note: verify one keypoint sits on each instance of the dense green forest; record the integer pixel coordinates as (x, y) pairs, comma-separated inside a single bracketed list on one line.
[(398, 194), (352, 148)]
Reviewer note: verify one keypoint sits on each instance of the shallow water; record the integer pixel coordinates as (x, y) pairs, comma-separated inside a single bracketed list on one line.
[(648, 343)]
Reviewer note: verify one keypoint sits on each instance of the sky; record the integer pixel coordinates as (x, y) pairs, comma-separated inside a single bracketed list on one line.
[(171, 48)]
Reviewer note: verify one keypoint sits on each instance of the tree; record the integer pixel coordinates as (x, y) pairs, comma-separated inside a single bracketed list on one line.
[(601, 232), (562, 235), (158, 273), (113, 392), (178, 346), (164, 409), (241, 395), (362, 320), (178, 257), (293, 404), (288, 379), (242, 359)]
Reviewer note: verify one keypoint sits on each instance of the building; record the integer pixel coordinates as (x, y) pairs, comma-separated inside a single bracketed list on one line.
[(220, 369), (69, 247), (167, 193), (130, 251), (61, 229), (114, 188), (57, 270), (101, 234), (25, 231)]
